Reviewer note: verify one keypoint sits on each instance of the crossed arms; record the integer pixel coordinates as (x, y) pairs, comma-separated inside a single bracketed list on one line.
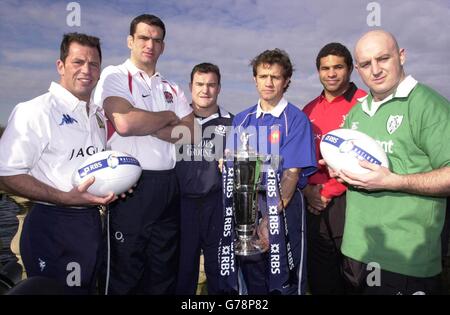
[(165, 125)]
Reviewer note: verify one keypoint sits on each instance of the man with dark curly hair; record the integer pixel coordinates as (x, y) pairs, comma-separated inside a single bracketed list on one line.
[(275, 126)]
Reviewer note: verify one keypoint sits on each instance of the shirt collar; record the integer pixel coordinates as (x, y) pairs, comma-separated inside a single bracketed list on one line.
[(66, 98), (276, 111), (220, 113), (403, 89), (347, 95), (350, 92), (132, 69), (224, 113)]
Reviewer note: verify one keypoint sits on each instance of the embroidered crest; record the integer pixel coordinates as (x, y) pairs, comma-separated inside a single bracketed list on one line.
[(393, 123), (168, 96), (220, 130), (275, 136)]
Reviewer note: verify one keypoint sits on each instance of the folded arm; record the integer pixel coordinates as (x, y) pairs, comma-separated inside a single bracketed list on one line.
[(185, 131), (131, 121)]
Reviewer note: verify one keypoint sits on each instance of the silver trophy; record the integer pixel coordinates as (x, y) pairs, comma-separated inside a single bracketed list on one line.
[(247, 180)]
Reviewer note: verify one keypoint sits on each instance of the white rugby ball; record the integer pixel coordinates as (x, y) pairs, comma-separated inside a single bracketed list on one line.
[(114, 171), (344, 148)]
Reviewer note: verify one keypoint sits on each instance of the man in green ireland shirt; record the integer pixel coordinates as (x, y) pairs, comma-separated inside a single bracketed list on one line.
[(395, 215)]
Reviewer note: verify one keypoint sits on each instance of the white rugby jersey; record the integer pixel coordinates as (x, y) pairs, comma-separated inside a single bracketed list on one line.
[(153, 94), (49, 136)]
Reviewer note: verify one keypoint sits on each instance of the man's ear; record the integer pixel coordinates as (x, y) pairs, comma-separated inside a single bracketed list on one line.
[(350, 69), (130, 41), (288, 80), (60, 67), (402, 54)]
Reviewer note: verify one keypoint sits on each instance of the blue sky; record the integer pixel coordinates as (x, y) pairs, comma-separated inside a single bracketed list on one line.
[(228, 33)]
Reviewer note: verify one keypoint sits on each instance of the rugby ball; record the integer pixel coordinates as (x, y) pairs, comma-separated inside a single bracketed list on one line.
[(114, 171), (344, 148)]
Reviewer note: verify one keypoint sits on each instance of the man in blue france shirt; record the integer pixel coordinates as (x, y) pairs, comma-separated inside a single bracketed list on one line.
[(275, 126)]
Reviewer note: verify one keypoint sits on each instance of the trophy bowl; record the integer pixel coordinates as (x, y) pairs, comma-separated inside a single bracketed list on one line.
[(245, 197), (248, 169)]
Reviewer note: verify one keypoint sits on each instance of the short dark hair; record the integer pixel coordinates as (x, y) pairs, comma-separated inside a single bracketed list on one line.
[(335, 49), (148, 19), (206, 67), (275, 56), (82, 39)]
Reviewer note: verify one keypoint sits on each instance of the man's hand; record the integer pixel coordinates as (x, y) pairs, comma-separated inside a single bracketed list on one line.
[(331, 171), (79, 196), (263, 234), (378, 178), (220, 164), (316, 202)]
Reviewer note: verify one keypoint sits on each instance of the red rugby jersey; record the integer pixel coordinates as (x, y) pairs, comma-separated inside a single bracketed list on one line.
[(326, 116)]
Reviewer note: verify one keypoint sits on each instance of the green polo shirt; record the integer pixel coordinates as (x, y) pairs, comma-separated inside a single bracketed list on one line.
[(401, 231)]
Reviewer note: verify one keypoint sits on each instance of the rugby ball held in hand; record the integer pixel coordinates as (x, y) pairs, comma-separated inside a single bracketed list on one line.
[(344, 148), (113, 171)]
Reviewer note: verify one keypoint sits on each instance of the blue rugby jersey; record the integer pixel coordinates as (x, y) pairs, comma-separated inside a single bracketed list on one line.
[(198, 171), (285, 131)]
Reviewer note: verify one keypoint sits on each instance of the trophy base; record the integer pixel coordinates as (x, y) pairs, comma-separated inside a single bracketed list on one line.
[(247, 247)]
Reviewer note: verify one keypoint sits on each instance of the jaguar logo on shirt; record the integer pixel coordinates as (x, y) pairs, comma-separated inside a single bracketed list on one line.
[(168, 96), (82, 152)]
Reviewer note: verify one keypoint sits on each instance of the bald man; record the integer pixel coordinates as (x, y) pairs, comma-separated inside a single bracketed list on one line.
[(395, 215)]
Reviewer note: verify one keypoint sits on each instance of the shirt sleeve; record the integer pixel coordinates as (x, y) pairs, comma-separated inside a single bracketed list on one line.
[(430, 127), (232, 135), (112, 83), (332, 188), (298, 150), (23, 141), (182, 109)]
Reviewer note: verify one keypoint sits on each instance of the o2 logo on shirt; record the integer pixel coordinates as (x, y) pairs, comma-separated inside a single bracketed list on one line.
[(168, 96)]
